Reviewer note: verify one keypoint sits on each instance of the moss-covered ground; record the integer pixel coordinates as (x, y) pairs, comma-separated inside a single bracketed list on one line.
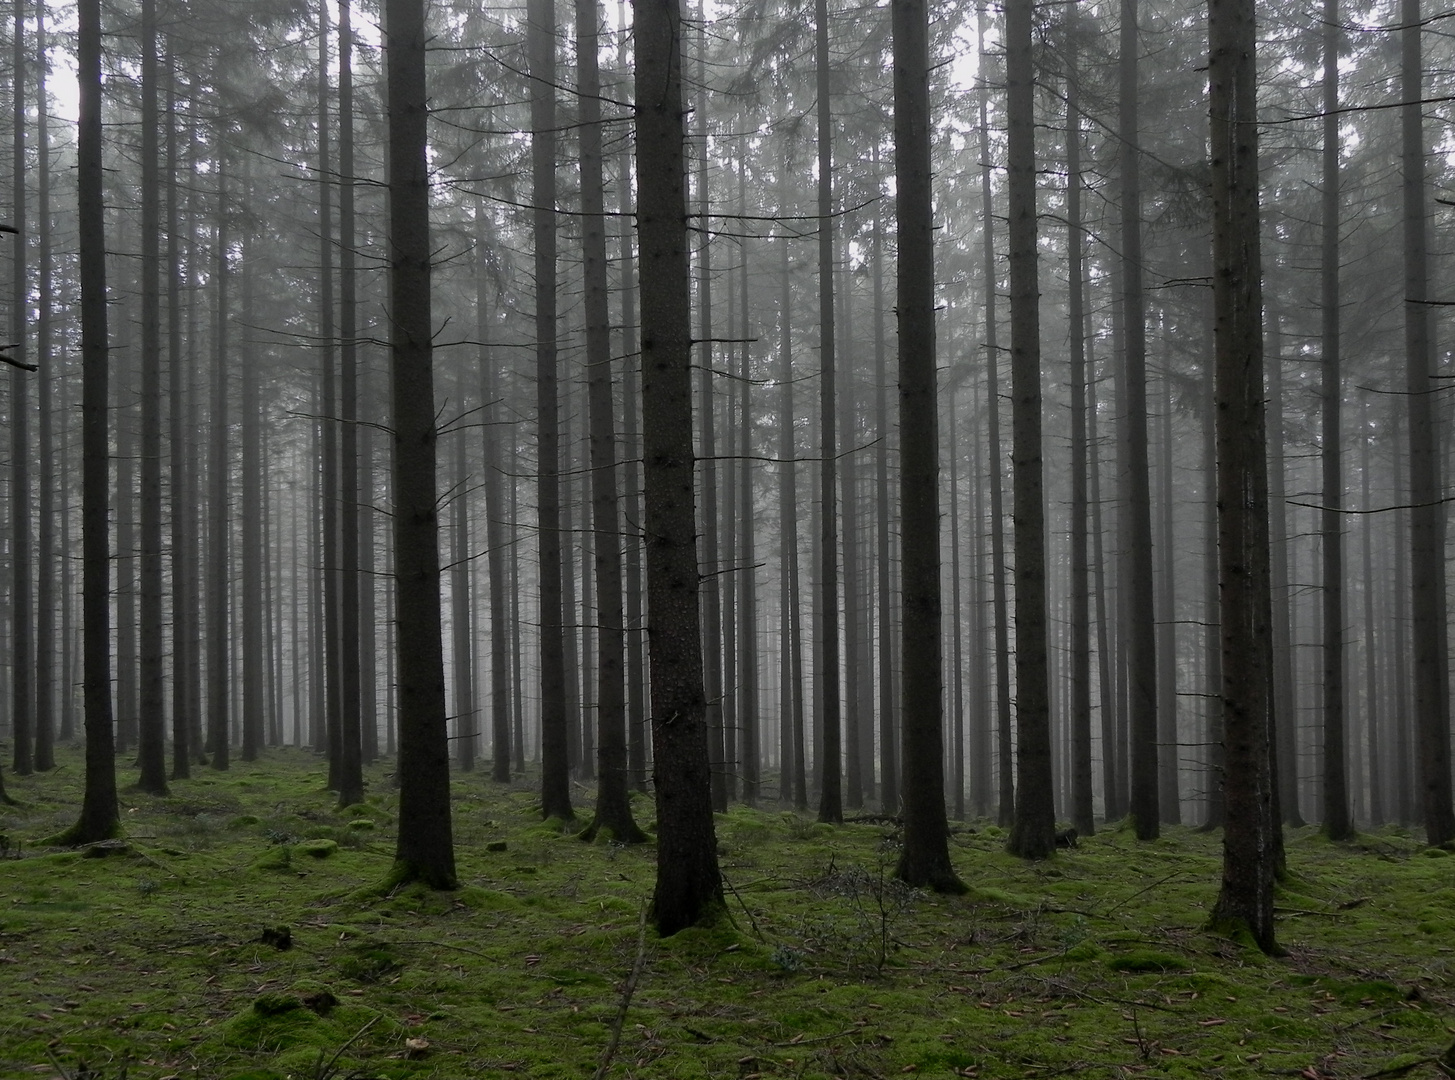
[(239, 932)]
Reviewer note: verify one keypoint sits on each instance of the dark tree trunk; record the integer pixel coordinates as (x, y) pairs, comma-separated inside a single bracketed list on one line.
[(889, 792), (1083, 818), (217, 503), (1373, 711), (1169, 797), (689, 885), (555, 738), (1005, 753), (1338, 823), (1033, 830), (351, 582), (613, 798), (461, 650), (425, 847), (1427, 521), (1245, 902), (100, 816), (184, 518), (22, 607), (45, 587), (830, 805), (254, 731), (793, 777), (749, 735), (1141, 628), (924, 859)]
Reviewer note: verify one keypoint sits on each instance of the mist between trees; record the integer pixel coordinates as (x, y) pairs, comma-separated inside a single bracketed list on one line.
[(899, 410)]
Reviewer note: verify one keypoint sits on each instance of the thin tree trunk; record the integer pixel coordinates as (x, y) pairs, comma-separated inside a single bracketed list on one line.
[(22, 606), (1169, 797), (749, 736), (613, 798), (555, 738), (1033, 830), (1373, 722), (217, 502), (1338, 823), (45, 586), (793, 775), (830, 807), (1141, 627), (889, 793), (1005, 754), (351, 582), (462, 655), (1083, 818)]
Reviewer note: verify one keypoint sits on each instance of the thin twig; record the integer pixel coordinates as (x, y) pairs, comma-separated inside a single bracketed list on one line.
[(744, 906), (626, 998), (323, 1072)]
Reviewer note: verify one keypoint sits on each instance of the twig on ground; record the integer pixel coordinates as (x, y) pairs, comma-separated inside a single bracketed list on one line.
[(744, 906), (323, 1071), (626, 998)]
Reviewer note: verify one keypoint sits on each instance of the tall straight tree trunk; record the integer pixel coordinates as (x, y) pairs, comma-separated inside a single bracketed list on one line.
[(830, 806), (329, 642), (1427, 522), (749, 735), (555, 740), (1338, 823), (613, 788), (351, 582), (858, 749), (924, 859), (956, 770), (1285, 685), (22, 607), (184, 519), (45, 585), (636, 666), (100, 815), (689, 884), (1005, 754), (425, 847), (1373, 711), (1212, 649), (368, 598), (152, 746), (495, 517), (889, 792), (1245, 901), (254, 731), (1141, 628), (1033, 830), (793, 776), (1169, 797), (218, 553), (1083, 818), (462, 652), (1112, 806), (707, 436)]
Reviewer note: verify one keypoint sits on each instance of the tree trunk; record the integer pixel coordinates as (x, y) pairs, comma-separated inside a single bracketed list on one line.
[(1373, 712), (749, 735), (1245, 902), (425, 847), (100, 816), (689, 885), (1033, 830), (924, 859), (1141, 628), (1005, 754), (1427, 521), (830, 806), (889, 792), (1169, 798), (793, 775), (555, 740), (1083, 818), (217, 502), (22, 607), (462, 654), (1338, 823), (351, 582), (45, 587), (613, 798)]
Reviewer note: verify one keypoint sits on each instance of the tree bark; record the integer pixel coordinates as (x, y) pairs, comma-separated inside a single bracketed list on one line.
[(689, 884), (22, 606), (100, 816), (1033, 830), (45, 586), (217, 500), (924, 859), (1427, 521), (555, 739), (1245, 901), (425, 846), (1338, 823)]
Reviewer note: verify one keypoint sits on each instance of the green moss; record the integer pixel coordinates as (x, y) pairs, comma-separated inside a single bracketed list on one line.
[(318, 849), (1147, 960)]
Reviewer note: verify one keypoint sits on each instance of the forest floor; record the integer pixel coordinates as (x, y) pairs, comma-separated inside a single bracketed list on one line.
[(165, 958)]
